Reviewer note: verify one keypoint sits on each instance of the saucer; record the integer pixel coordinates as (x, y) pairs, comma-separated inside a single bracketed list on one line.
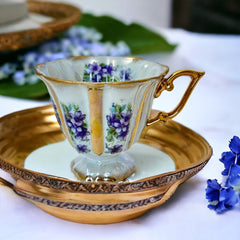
[(27, 133), (45, 21), (46, 158)]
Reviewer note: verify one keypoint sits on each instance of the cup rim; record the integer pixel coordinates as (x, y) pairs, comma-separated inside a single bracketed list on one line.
[(98, 84)]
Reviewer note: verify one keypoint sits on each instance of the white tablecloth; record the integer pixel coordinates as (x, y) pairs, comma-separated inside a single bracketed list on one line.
[(211, 111)]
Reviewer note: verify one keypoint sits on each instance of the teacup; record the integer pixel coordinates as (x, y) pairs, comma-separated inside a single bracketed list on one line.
[(103, 106)]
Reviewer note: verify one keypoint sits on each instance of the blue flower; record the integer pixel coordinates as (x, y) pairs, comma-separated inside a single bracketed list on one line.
[(220, 199), (98, 49), (30, 58), (76, 41), (234, 145), (212, 190), (228, 159), (9, 68), (52, 46), (55, 56), (19, 77), (234, 177), (225, 196), (231, 157)]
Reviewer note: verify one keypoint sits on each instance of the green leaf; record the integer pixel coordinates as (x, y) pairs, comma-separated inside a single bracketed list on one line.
[(75, 107), (31, 91), (109, 138), (140, 39), (129, 107), (118, 115), (118, 108), (111, 130)]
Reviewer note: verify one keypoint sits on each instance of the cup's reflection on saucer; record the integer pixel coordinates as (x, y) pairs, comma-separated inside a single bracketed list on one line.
[(103, 106)]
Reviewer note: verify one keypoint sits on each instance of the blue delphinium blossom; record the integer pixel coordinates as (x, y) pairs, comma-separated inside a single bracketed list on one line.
[(225, 196), (234, 177), (228, 159), (220, 199), (231, 159), (234, 145)]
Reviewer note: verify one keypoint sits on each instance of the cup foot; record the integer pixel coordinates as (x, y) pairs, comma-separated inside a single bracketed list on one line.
[(103, 169)]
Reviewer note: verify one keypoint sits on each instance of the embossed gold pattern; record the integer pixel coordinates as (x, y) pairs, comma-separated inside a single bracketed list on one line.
[(96, 203)]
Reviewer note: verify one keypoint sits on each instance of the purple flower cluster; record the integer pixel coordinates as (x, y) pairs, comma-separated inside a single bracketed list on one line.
[(125, 74), (77, 126), (114, 149), (119, 120), (95, 72), (118, 126), (82, 148), (225, 196)]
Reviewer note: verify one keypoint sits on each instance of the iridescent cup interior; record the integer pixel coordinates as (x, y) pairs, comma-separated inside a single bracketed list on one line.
[(101, 69), (102, 104)]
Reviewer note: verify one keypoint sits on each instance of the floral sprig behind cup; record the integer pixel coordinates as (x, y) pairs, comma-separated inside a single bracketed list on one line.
[(225, 196), (77, 41)]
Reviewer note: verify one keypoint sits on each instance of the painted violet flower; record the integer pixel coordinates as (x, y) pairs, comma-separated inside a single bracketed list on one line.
[(118, 122), (77, 125), (100, 72), (225, 196)]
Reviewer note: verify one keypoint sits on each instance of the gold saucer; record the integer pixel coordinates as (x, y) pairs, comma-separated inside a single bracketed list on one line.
[(98, 203)]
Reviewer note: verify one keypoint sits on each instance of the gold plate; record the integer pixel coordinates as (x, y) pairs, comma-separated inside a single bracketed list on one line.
[(98, 203), (64, 16)]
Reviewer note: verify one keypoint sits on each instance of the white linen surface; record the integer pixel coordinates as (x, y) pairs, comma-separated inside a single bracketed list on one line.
[(212, 111)]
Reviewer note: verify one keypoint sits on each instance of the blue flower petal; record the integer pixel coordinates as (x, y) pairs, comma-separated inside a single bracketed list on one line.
[(228, 158), (234, 176), (19, 77), (238, 160), (234, 145), (220, 199), (228, 197), (212, 190)]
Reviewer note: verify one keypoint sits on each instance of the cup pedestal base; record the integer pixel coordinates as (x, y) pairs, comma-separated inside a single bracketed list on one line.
[(103, 169)]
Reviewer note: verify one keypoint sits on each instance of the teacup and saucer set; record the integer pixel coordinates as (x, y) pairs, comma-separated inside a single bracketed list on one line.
[(106, 157)]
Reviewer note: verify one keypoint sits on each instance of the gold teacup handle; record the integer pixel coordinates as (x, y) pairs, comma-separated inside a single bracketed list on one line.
[(167, 84)]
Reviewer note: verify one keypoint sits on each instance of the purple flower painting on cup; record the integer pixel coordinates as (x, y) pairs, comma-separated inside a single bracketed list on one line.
[(77, 126), (118, 126)]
